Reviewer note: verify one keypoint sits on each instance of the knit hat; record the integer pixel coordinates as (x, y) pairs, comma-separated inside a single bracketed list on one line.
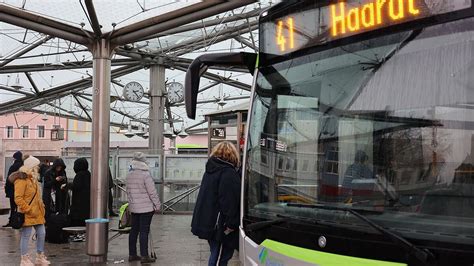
[(31, 162), (139, 156), (18, 156)]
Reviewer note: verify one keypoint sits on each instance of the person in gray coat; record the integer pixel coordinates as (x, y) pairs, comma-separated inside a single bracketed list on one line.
[(143, 203)]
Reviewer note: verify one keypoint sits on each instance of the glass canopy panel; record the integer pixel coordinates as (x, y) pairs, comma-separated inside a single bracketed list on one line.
[(120, 12), (48, 54)]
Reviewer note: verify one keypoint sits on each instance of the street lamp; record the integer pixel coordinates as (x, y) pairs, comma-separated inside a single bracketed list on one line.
[(129, 132), (183, 134), (45, 117), (167, 133), (146, 135), (140, 131), (17, 85)]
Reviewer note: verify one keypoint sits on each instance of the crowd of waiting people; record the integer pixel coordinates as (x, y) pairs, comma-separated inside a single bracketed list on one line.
[(40, 193)]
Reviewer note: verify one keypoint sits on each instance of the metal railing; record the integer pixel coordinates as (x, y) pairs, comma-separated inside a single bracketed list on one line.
[(167, 206), (176, 177)]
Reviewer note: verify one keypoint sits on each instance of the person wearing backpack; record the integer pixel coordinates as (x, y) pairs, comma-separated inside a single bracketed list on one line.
[(125, 218), (29, 202), (143, 203), (216, 214)]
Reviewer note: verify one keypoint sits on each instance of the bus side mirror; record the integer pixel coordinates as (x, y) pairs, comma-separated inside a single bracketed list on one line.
[(200, 65)]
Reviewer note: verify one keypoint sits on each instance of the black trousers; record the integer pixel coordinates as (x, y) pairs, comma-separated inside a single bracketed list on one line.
[(47, 202), (12, 208), (140, 226), (111, 202), (62, 204), (220, 254)]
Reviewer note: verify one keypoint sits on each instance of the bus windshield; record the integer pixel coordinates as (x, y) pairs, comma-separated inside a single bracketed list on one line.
[(385, 124)]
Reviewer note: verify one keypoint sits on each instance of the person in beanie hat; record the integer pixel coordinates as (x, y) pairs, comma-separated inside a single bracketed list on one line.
[(28, 199), (30, 162), (9, 188), (143, 202), (18, 156)]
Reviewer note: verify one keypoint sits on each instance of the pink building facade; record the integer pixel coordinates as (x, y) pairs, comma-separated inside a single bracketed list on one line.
[(30, 133)]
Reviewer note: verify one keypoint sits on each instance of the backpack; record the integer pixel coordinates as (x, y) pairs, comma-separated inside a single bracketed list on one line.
[(125, 218), (54, 228)]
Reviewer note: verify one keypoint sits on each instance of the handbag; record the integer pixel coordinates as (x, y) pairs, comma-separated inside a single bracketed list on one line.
[(18, 218)]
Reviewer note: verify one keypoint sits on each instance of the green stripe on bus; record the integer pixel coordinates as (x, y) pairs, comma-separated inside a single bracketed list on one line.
[(190, 146), (321, 258)]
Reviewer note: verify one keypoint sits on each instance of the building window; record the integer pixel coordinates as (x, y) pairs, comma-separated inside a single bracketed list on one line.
[(24, 131), (305, 165), (9, 132), (41, 132)]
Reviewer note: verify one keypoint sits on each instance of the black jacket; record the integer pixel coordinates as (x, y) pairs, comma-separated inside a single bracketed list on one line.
[(9, 188), (111, 181), (42, 171), (51, 184), (81, 186), (219, 195)]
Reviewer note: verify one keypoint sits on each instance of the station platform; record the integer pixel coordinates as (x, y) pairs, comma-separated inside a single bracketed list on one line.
[(174, 245)]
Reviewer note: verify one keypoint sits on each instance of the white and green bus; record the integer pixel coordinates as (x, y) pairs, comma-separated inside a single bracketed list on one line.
[(360, 135)]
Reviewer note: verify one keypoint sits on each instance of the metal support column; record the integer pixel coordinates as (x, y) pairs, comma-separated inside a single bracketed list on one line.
[(97, 226), (173, 148), (157, 110)]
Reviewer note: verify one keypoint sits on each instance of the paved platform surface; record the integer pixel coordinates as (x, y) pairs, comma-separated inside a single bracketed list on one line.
[(173, 241), (174, 245)]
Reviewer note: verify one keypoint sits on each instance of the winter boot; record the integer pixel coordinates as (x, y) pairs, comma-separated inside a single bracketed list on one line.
[(26, 261), (41, 259)]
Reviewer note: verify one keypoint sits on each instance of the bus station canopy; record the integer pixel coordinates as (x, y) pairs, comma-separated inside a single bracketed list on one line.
[(46, 63)]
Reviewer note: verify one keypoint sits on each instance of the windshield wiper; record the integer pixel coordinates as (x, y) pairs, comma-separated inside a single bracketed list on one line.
[(423, 255)]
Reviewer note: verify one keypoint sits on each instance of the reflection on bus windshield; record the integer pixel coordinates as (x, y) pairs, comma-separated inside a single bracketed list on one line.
[(385, 124)]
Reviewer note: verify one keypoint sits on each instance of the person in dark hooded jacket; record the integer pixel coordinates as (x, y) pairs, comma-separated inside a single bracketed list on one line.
[(54, 179), (44, 167), (9, 187), (81, 186), (216, 216)]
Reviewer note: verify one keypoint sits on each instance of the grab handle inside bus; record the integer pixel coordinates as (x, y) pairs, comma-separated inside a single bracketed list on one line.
[(199, 66)]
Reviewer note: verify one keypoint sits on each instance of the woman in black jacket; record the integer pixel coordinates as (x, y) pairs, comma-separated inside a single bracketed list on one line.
[(9, 187), (54, 179), (81, 186), (216, 215)]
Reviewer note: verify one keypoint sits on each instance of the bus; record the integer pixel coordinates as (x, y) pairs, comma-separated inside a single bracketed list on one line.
[(359, 142)]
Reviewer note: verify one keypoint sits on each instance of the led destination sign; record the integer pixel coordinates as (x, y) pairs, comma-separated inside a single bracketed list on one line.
[(346, 18), (380, 12)]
